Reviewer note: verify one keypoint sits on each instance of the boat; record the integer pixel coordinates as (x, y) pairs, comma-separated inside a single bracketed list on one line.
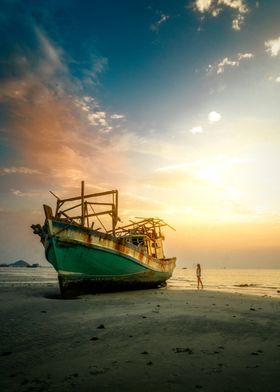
[(92, 253)]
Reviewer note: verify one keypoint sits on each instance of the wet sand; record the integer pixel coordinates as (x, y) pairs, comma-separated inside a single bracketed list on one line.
[(167, 340)]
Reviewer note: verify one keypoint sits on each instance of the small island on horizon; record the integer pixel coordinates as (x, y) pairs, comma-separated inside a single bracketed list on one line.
[(20, 264)]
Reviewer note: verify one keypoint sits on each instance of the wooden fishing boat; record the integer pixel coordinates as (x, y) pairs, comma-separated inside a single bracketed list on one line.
[(92, 259)]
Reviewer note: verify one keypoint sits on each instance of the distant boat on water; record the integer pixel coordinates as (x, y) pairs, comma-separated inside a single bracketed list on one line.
[(110, 257)]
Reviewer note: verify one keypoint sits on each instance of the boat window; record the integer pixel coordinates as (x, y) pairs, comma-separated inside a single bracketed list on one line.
[(137, 241)]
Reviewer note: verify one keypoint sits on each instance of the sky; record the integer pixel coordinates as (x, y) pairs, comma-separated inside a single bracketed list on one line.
[(173, 103)]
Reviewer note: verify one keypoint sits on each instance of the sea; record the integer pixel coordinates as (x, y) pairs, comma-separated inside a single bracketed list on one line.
[(260, 282)]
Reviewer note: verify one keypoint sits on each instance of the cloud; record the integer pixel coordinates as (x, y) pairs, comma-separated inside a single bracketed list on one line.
[(203, 5), (51, 55), (237, 22), (196, 130), (163, 18), (172, 176), (224, 63), (95, 66), (52, 124), (25, 71), (197, 173), (214, 117), (117, 116), (274, 79), (176, 167), (239, 5), (95, 116), (87, 103), (242, 56), (215, 7), (18, 170), (18, 193), (99, 119), (273, 46), (220, 67)]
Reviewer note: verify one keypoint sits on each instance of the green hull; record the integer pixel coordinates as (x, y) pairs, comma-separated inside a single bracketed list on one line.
[(90, 261)]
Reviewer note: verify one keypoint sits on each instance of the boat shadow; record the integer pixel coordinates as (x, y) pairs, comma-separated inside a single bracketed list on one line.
[(55, 294)]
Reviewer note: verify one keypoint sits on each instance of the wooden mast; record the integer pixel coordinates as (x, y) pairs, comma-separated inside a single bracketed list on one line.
[(115, 212), (83, 203)]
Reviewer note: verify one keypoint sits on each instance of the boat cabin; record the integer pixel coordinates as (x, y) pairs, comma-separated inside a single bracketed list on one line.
[(145, 243)]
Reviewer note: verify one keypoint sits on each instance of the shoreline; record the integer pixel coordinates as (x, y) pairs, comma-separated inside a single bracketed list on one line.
[(181, 280), (168, 339)]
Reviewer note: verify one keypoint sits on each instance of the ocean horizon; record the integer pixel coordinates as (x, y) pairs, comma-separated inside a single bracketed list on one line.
[(260, 282)]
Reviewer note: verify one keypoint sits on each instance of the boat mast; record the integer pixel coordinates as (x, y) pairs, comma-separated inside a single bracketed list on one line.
[(83, 203), (115, 211)]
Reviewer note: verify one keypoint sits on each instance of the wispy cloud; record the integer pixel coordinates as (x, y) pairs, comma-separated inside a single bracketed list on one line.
[(19, 193), (273, 46), (18, 170), (197, 129), (226, 62), (100, 119), (117, 116), (163, 19), (198, 172), (176, 175), (86, 104), (212, 117), (95, 66), (215, 7), (96, 117), (242, 56), (55, 127), (274, 79)]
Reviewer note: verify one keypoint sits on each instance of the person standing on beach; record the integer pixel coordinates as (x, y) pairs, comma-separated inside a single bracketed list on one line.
[(198, 275)]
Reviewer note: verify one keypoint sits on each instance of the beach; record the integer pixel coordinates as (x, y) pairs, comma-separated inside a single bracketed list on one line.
[(160, 339)]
